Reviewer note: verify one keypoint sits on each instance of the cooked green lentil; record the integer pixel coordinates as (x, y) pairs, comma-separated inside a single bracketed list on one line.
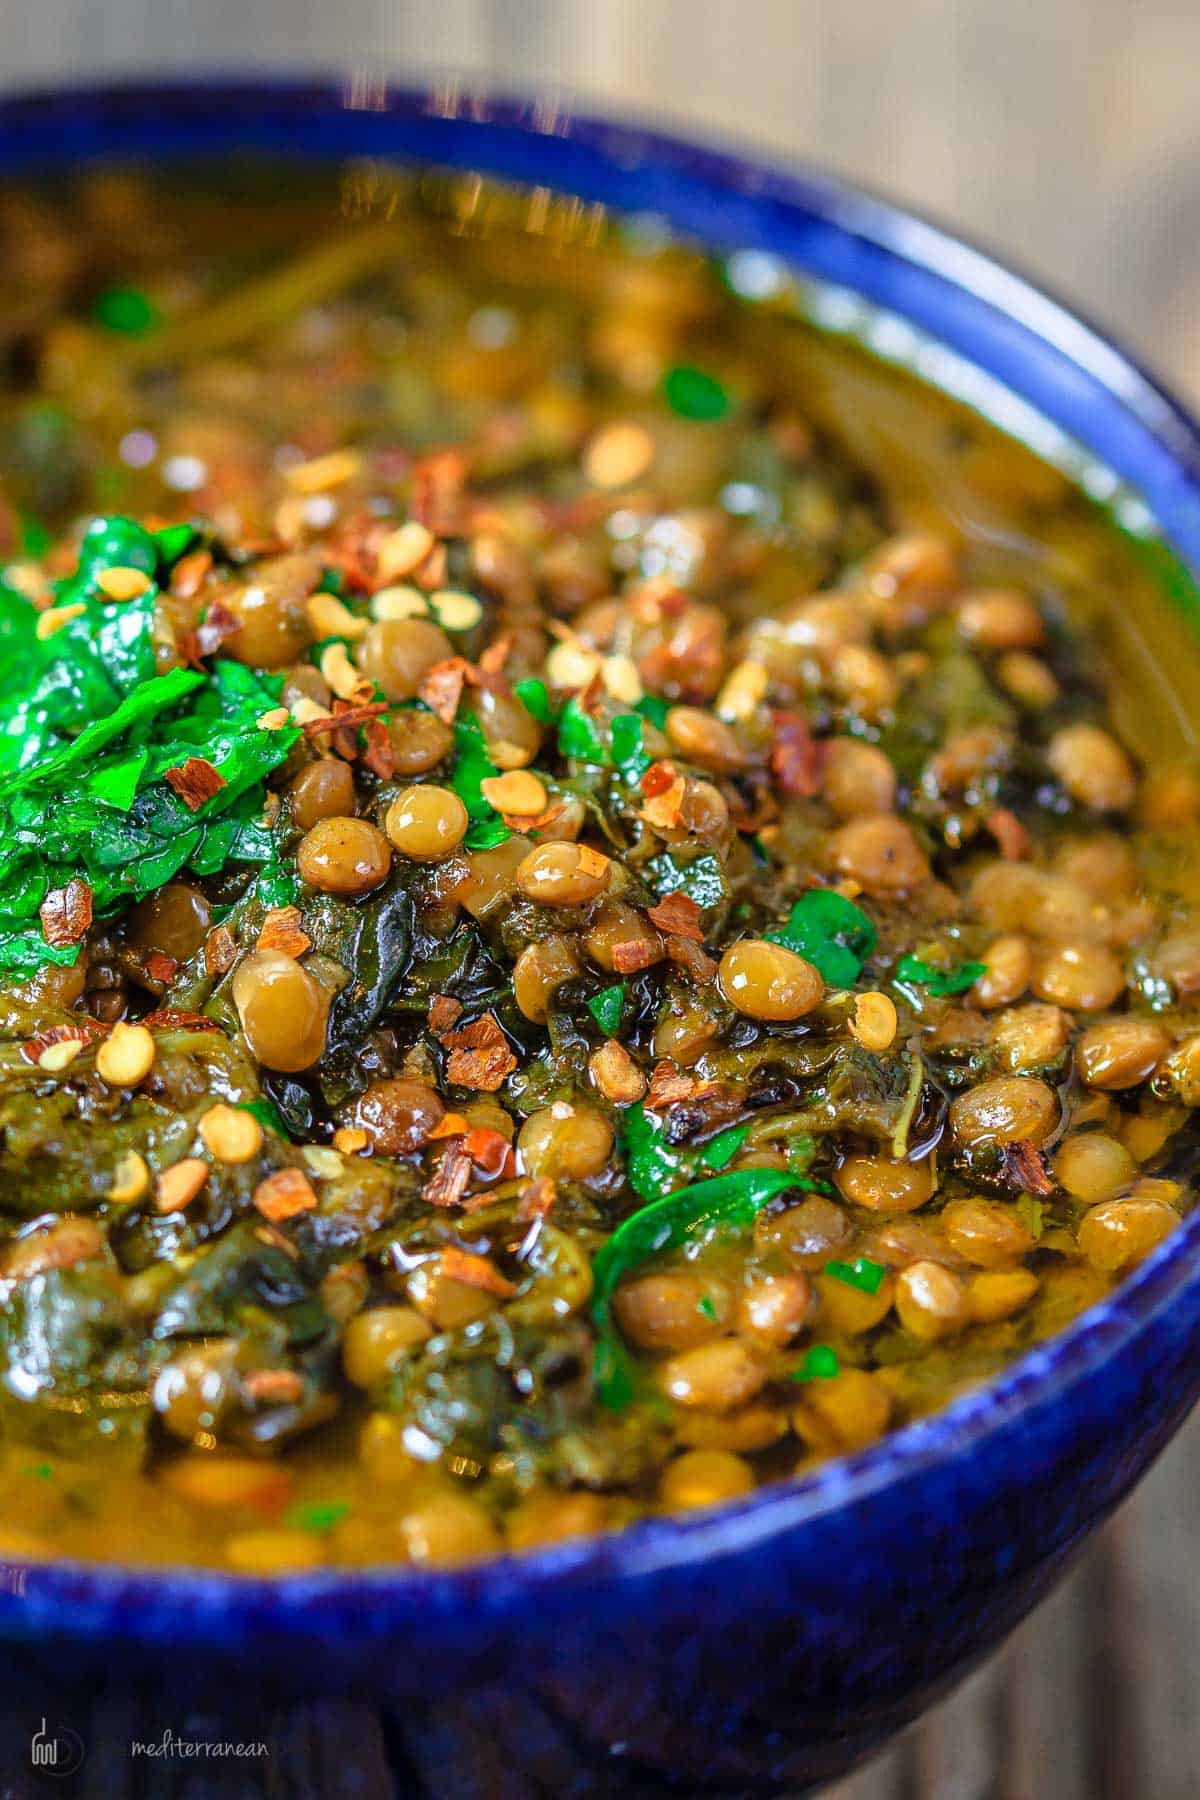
[(594, 907)]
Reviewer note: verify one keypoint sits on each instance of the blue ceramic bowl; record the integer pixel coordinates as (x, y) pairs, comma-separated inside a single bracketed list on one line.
[(771, 1642)]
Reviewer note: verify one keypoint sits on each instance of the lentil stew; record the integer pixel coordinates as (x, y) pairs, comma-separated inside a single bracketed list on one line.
[(599, 895)]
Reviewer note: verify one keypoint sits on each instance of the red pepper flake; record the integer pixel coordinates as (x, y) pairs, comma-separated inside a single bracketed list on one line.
[(273, 1387), (442, 687), (66, 913), (451, 1124), (490, 1151), (177, 1018), (692, 960), (187, 578), (475, 1271), (220, 951), (451, 1176), (380, 753), (496, 655), (217, 625), (537, 1199), (657, 779), (678, 914), (668, 1084), (284, 1194), (84, 1034), (634, 954), (282, 930), (195, 781), (443, 1013), (523, 823), (1025, 1167), (437, 491), (796, 756), (479, 1055), (344, 715), (159, 967), (1014, 841)]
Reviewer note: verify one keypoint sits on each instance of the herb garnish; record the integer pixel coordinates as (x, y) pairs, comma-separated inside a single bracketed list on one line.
[(939, 982), (472, 766), (605, 1008), (88, 741), (694, 394), (317, 1515), (727, 1202), (862, 1273), (821, 1364), (831, 933), (655, 1167)]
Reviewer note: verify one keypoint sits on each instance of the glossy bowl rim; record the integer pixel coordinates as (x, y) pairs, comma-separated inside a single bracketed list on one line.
[(154, 1602)]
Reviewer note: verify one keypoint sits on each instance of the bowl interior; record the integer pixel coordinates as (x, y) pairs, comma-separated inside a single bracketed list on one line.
[(964, 321)]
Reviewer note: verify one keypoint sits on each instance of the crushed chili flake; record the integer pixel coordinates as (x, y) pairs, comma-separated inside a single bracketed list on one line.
[(177, 1018), (83, 1034), (451, 1124), (160, 967), (443, 1013), (380, 753), (273, 1387), (537, 1199), (796, 756), (436, 494), (343, 715), (496, 655), (694, 961), (283, 931), (678, 914), (187, 578), (284, 1194), (634, 954), (615, 1074), (217, 625), (195, 781), (479, 1055), (490, 1151), (1014, 841), (442, 687), (592, 862), (657, 779), (668, 1084), (1026, 1168), (523, 823), (451, 1175), (475, 1271), (66, 913), (664, 810), (220, 951)]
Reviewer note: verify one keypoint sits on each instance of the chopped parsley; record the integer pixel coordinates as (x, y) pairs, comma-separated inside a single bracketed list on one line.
[(317, 1515), (862, 1273), (912, 971), (694, 394), (821, 1364), (831, 933), (605, 1007)]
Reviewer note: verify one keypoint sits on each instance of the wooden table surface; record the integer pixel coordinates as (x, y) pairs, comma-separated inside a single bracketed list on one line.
[(1095, 1696), (1066, 132)]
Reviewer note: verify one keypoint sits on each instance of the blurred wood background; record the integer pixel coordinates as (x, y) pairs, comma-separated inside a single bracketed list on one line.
[(1066, 134)]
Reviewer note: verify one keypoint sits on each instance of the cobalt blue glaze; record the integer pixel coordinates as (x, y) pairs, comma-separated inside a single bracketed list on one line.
[(771, 1642)]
